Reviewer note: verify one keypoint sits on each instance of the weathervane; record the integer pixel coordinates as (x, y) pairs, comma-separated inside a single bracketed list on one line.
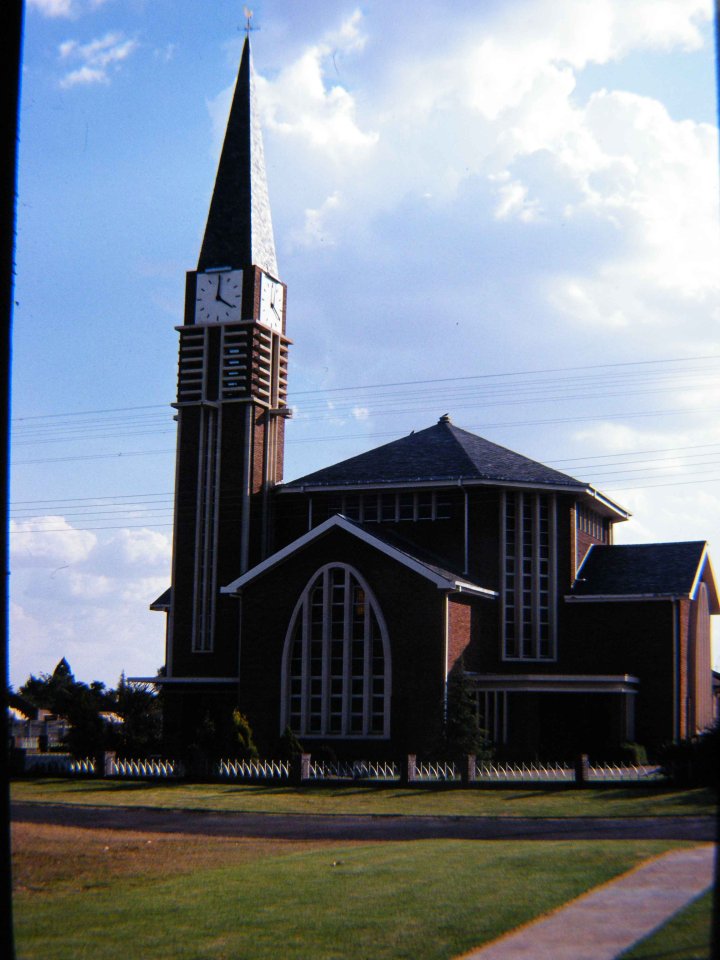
[(248, 21)]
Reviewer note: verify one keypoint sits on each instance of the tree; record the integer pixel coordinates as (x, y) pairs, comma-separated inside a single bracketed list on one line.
[(245, 748), (140, 732), (288, 745), (462, 732), (83, 707)]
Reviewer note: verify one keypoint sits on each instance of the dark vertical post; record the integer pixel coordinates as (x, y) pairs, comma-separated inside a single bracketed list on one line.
[(582, 770), (9, 119), (468, 770)]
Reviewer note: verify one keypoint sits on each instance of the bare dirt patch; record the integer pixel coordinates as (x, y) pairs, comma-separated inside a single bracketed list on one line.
[(48, 857)]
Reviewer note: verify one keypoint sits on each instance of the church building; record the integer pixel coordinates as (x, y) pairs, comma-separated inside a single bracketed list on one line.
[(339, 604)]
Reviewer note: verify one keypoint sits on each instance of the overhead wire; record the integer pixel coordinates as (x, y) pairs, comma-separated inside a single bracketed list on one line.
[(576, 385)]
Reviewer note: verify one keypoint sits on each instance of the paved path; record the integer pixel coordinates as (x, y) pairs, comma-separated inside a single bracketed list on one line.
[(602, 924), (339, 827)]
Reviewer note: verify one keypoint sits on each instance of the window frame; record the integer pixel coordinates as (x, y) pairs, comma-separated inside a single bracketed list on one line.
[(528, 576), (300, 628)]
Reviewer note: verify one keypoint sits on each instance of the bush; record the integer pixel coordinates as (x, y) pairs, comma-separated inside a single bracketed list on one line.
[(632, 753), (288, 745), (245, 748), (694, 762), (462, 732)]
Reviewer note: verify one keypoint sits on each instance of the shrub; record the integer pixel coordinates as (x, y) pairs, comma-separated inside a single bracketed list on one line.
[(288, 745), (245, 748), (694, 762), (632, 753)]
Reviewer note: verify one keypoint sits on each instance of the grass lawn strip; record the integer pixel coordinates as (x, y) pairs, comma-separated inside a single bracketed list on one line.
[(685, 937), (48, 858), (426, 900), (373, 800)]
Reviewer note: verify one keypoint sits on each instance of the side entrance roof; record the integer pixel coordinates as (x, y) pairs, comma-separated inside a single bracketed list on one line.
[(645, 571)]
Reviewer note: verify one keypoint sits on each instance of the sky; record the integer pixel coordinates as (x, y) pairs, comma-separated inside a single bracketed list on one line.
[(504, 211)]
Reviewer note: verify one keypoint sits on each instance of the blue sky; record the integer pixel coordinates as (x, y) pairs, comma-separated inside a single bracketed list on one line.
[(504, 211)]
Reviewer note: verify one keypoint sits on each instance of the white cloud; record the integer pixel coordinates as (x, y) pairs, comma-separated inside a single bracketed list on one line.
[(302, 103), (319, 228), (63, 8), (53, 8), (96, 58), (48, 542), (85, 596)]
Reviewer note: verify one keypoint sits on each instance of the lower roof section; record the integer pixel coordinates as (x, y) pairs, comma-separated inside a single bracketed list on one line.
[(555, 683)]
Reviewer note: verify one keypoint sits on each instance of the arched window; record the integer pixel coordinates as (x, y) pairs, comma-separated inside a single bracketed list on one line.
[(699, 703), (336, 663)]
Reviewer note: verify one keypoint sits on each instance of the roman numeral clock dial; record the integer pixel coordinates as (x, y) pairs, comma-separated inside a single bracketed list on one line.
[(218, 296)]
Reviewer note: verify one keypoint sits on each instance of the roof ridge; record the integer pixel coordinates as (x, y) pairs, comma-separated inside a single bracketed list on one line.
[(499, 446), (440, 453)]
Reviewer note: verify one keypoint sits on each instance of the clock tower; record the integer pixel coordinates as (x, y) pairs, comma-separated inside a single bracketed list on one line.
[(231, 405)]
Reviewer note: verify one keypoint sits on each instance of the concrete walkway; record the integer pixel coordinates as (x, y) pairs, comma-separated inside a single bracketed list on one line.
[(606, 921)]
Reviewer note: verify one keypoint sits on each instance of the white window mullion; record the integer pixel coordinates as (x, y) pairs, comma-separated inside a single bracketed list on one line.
[(552, 576), (367, 665), (326, 639), (519, 575), (347, 664), (305, 671), (535, 575)]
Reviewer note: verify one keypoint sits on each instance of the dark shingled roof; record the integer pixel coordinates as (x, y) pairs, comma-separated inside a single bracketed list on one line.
[(664, 569), (441, 452)]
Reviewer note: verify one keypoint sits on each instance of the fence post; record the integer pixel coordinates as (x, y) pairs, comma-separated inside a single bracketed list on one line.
[(299, 769), (104, 762), (582, 770), (467, 774), (408, 770)]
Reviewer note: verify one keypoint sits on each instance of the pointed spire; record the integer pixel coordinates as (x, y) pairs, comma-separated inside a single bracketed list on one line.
[(239, 227)]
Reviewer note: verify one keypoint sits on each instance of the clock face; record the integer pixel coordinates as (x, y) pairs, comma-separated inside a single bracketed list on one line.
[(272, 301), (218, 296)]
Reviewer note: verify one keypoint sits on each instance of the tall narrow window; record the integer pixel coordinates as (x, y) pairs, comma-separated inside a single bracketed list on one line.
[(205, 583), (528, 565), (336, 664)]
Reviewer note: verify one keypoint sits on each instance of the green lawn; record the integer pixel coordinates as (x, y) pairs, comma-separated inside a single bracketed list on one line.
[(685, 937), (629, 801), (425, 900)]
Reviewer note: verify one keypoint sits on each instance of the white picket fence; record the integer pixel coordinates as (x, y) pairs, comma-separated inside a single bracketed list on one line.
[(523, 772), (622, 772), (253, 769), (437, 770), (52, 764), (564, 772), (163, 769), (353, 770), (86, 765)]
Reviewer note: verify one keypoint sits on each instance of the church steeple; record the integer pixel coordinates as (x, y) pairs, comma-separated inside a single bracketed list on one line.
[(239, 230)]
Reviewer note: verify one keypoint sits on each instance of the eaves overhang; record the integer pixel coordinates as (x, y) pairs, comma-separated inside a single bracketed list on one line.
[(624, 597), (555, 683), (434, 483), (606, 505)]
